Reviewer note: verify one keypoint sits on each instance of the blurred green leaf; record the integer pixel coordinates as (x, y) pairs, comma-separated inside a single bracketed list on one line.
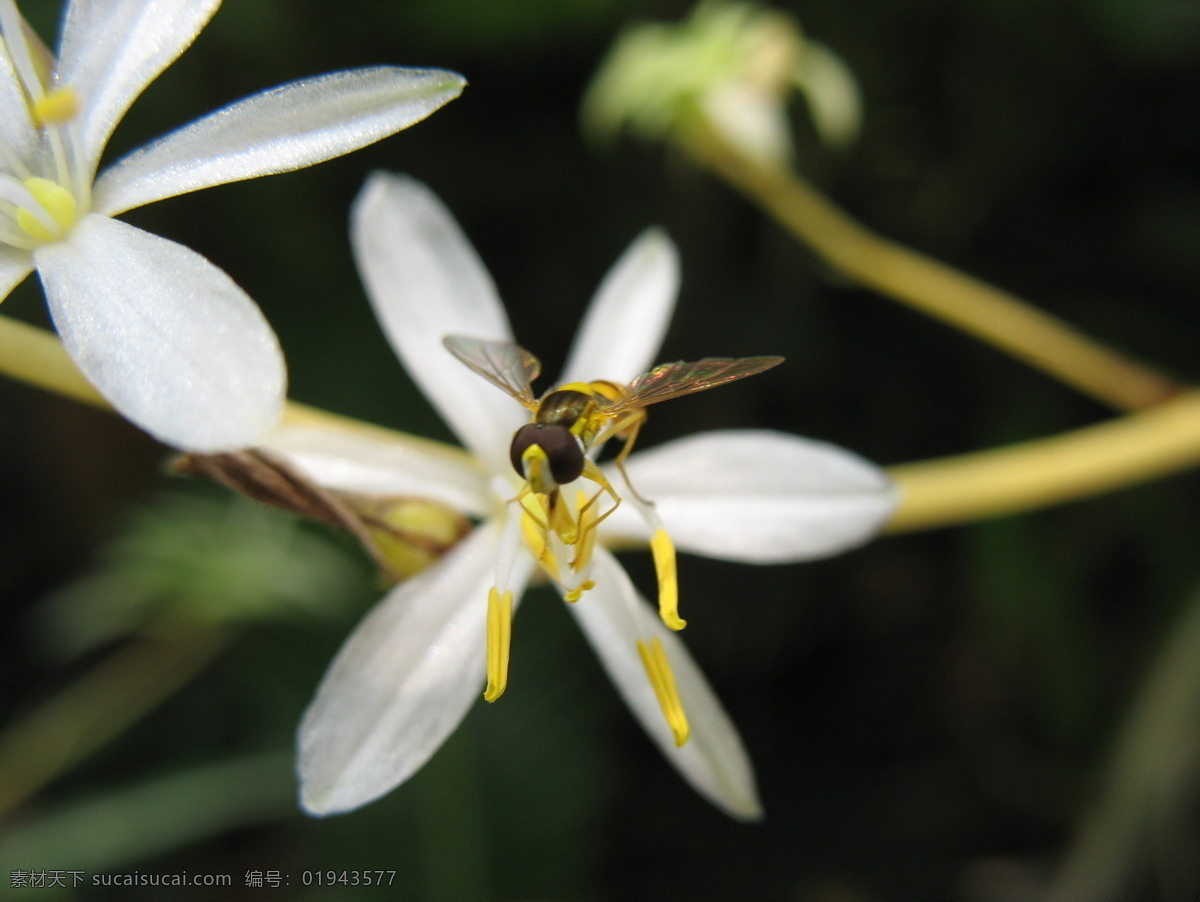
[(1142, 827), (109, 831), (204, 557)]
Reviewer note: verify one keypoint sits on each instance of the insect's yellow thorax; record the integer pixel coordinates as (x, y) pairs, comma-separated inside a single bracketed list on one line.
[(580, 407)]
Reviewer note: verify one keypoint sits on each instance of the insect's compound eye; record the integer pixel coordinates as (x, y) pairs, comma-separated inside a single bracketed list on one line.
[(559, 445)]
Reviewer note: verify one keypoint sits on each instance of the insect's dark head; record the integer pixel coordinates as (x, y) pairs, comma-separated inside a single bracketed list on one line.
[(559, 448)]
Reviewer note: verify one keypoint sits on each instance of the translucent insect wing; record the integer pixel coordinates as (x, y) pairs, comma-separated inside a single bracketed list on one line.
[(506, 365), (674, 380)]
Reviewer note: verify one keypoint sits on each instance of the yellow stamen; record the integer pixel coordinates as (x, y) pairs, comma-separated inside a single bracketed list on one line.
[(658, 668), (577, 593), (499, 638), (57, 201), (663, 550), (534, 506), (57, 107), (533, 534), (535, 540), (563, 522)]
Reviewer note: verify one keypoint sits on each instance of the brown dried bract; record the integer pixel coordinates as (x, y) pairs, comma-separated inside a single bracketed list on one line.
[(402, 534)]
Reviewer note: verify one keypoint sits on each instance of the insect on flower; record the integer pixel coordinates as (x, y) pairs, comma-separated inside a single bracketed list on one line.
[(569, 424), (410, 672)]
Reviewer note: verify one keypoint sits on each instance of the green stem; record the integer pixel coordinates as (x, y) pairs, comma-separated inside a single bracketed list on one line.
[(925, 284)]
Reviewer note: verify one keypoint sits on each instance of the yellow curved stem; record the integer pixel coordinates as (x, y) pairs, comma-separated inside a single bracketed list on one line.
[(36, 357), (995, 316), (1120, 452)]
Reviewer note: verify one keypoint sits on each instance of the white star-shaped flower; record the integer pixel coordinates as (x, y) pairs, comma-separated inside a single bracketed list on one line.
[(411, 670), (165, 336)]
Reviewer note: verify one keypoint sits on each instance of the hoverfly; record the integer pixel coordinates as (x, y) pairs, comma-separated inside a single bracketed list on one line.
[(551, 451), (570, 420)]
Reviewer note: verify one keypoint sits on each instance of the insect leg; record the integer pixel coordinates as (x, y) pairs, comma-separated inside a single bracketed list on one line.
[(628, 429)]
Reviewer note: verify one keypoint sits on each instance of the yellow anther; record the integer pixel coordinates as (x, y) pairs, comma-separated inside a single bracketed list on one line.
[(534, 506), (663, 550), (658, 668), (499, 639), (57, 201), (577, 593), (57, 107), (563, 522), (535, 540)]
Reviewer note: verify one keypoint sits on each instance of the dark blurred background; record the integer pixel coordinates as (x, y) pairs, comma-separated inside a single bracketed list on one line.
[(932, 717)]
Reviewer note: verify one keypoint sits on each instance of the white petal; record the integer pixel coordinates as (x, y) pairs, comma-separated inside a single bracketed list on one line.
[(713, 760), (425, 281), (382, 464), (164, 335), (112, 49), (15, 265), (402, 682), (286, 128), (17, 131), (757, 496), (626, 321)]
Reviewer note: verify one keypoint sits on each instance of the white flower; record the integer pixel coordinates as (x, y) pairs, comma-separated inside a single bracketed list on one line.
[(165, 336), (413, 667)]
